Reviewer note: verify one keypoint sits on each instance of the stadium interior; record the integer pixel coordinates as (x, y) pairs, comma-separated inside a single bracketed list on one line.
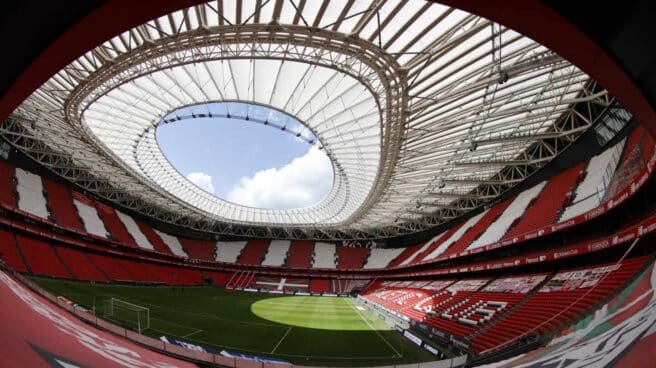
[(492, 204)]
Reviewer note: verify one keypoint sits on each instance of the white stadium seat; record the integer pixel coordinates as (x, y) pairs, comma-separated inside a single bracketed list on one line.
[(229, 251), (324, 255), (92, 222), (173, 243), (277, 253), (30, 193), (134, 230)]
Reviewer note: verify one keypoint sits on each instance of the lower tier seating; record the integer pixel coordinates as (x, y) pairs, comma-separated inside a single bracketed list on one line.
[(80, 265), (41, 258), (9, 252), (492, 314)]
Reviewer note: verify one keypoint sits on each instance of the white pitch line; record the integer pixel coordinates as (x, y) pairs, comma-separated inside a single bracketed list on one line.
[(375, 330), (279, 342), (191, 334)]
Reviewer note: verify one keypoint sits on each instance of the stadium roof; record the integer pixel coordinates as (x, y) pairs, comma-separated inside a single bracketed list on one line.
[(426, 111)]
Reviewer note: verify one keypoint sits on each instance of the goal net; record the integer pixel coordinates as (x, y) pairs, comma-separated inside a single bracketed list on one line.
[(127, 314)]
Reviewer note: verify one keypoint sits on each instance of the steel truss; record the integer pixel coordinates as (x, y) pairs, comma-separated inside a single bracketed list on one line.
[(466, 108)]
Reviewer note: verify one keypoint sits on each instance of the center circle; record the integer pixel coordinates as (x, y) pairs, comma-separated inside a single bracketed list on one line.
[(321, 313)]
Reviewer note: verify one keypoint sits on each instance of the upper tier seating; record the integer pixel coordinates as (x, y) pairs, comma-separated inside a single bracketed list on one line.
[(172, 243), (430, 247), (114, 225), (153, 238), (591, 190), (229, 251), (351, 257), (9, 252), (277, 253), (475, 231), (545, 209), (204, 250), (90, 219), (254, 252), (455, 235), (41, 258), (134, 230), (61, 204), (514, 211), (300, 254), (639, 149), (381, 257), (30, 194), (324, 255)]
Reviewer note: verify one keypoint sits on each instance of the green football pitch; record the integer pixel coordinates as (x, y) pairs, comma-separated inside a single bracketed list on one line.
[(299, 329)]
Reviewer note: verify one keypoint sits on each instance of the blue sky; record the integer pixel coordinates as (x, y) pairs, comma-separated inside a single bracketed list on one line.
[(246, 162)]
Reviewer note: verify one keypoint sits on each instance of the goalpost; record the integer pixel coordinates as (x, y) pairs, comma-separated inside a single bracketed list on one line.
[(134, 316)]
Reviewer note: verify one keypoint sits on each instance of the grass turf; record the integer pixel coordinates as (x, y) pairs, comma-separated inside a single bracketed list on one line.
[(298, 329)]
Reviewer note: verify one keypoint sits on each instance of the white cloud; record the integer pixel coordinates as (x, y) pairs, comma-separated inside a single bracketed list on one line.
[(202, 180), (301, 183)]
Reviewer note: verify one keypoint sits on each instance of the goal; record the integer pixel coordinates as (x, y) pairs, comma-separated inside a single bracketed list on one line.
[(127, 314)]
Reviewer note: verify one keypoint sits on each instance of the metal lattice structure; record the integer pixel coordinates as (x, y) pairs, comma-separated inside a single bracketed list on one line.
[(426, 112)]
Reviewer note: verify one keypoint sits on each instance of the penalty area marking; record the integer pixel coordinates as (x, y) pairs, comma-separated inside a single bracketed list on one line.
[(279, 342), (372, 328)]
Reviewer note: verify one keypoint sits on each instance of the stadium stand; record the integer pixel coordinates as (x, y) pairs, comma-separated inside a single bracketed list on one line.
[(481, 225), (111, 267), (61, 204), (113, 224), (7, 184), (300, 254), (41, 258), (89, 216), (281, 283), (277, 253), (217, 278), (79, 264), (515, 210), (324, 255), (351, 257), (204, 250), (381, 257), (173, 244), (30, 194), (9, 252), (229, 251), (495, 313), (455, 234), (44, 335), (320, 285), (428, 249), (547, 206), (566, 296), (253, 253), (591, 190), (638, 149), (135, 232), (156, 240), (409, 255)]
